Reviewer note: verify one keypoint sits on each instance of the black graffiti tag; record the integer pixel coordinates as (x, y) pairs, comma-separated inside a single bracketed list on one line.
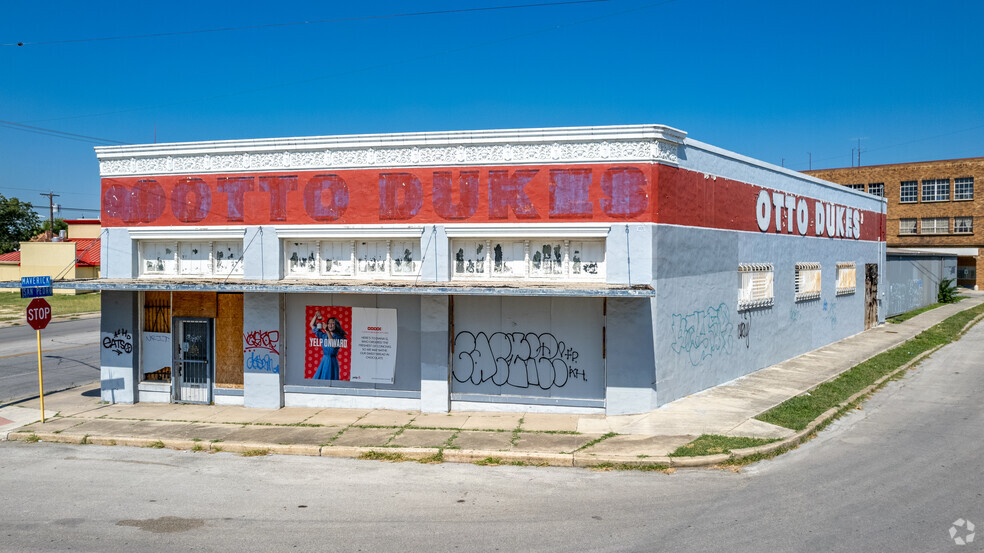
[(515, 359), (743, 329), (120, 342)]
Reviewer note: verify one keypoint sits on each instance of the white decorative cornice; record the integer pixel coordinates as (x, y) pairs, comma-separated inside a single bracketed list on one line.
[(613, 144)]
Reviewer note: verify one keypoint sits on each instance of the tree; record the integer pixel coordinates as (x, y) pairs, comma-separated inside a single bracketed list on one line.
[(60, 225), (18, 222)]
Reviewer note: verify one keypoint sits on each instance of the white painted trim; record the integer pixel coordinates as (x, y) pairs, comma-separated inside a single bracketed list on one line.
[(187, 233), (530, 230), (562, 145), (354, 232)]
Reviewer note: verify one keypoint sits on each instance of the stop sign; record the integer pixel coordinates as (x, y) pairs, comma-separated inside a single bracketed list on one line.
[(38, 313)]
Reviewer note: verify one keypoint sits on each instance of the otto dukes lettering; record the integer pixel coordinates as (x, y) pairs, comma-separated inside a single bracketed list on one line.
[(609, 192)]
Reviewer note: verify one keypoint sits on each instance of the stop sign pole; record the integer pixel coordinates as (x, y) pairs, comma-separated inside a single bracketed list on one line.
[(38, 316)]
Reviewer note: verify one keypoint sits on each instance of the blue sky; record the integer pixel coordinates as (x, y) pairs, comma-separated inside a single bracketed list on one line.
[(772, 80)]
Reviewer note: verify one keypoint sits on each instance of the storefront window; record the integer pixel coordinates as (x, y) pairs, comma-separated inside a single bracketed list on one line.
[(191, 258), (533, 259)]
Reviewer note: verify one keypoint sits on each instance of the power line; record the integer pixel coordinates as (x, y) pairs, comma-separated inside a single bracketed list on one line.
[(315, 22), (372, 67), (57, 133)]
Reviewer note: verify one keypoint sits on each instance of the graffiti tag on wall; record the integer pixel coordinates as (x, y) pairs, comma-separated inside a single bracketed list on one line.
[(703, 333), (260, 353), (515, 359), (120, 342)]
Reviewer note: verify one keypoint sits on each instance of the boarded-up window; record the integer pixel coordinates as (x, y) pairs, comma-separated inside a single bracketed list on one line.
[(156, 360), (229, 341), (755, 285), (846, 278), (807, 281)]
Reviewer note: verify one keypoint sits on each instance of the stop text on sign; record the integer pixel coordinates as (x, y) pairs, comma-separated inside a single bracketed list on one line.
[(793, 214), (38, 313)]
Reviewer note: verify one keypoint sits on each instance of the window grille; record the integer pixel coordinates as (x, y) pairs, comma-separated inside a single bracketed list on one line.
[(755, 285), (963, 225), (807, 281), (847, 275), (876, 189), (907, 226)]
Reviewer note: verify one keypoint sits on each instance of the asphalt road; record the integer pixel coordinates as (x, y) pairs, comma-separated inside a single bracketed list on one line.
[(70, 356), (891, 477)]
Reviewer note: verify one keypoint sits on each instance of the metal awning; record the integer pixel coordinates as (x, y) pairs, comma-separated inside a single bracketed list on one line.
[(298, 286)]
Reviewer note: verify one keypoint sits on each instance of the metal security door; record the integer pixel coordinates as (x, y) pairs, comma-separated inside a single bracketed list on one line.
[(193, 361)]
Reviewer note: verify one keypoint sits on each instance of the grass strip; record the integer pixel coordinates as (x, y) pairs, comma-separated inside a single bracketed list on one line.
[(796, 413), (12, 305), (910, 314), (713, 444)]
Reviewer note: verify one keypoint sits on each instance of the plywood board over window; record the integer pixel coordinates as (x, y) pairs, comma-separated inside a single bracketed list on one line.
[(229, 341), (195, 304)]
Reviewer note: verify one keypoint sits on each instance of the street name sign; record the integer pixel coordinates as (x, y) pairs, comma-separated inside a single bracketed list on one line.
[(35, 287)]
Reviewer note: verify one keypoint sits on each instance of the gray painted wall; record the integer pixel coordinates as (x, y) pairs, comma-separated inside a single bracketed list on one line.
[(119, 346), (913, 281), (697, 322), (528, 346), (118, 254), (262, 386)]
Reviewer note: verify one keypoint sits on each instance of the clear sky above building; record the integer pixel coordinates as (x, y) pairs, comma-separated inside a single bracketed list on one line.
[(791, 83)]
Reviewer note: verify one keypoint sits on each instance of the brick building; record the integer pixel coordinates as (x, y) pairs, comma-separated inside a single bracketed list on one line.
[(931, 206)]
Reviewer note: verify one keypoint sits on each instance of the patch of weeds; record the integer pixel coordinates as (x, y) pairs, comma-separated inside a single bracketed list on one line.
[(157, 445), (373, 455), (32, 439), (640, 456), (596, 441), (489, 462), (216, 441), (450, 440), (215, 449), (57, 431), (304, 425), (196, 439), (255, 452), (197, 447), (112, 442), (712, 444), (84, 440), (649, 467), (433, 459), (798, 412)]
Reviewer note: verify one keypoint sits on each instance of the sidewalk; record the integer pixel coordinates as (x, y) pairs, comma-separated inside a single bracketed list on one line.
[(563, 440)]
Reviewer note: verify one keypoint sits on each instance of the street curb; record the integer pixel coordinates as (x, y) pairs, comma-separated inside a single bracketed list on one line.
[(803, 435)]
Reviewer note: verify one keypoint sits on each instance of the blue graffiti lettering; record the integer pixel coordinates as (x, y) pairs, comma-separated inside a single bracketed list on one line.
[(701, 334), (263, 363)]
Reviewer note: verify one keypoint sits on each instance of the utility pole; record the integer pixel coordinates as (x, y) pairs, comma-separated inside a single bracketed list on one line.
[(51, 213), (811, 160)]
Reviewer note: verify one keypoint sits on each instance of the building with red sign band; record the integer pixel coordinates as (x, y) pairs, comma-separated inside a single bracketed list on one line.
[(588, 269)]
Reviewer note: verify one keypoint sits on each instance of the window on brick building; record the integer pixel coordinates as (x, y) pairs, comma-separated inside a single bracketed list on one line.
[(936, 190), (936, 225), (907, 226), (908, 193), (876, 189), (855, 186), (963, 188), (963, 225)]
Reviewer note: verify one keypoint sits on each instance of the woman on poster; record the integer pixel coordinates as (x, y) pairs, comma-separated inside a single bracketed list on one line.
[(329, 335)]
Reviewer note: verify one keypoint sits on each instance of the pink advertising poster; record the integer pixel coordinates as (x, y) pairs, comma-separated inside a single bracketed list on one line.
[(356, 344)]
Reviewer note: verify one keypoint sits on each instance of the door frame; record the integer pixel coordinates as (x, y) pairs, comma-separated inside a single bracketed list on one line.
[(177, 367)]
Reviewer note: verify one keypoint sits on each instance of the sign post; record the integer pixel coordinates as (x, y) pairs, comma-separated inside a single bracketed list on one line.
[(38, 316)]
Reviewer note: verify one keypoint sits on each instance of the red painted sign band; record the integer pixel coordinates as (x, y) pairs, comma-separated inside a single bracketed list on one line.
[(477, 195), (527, 194)]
